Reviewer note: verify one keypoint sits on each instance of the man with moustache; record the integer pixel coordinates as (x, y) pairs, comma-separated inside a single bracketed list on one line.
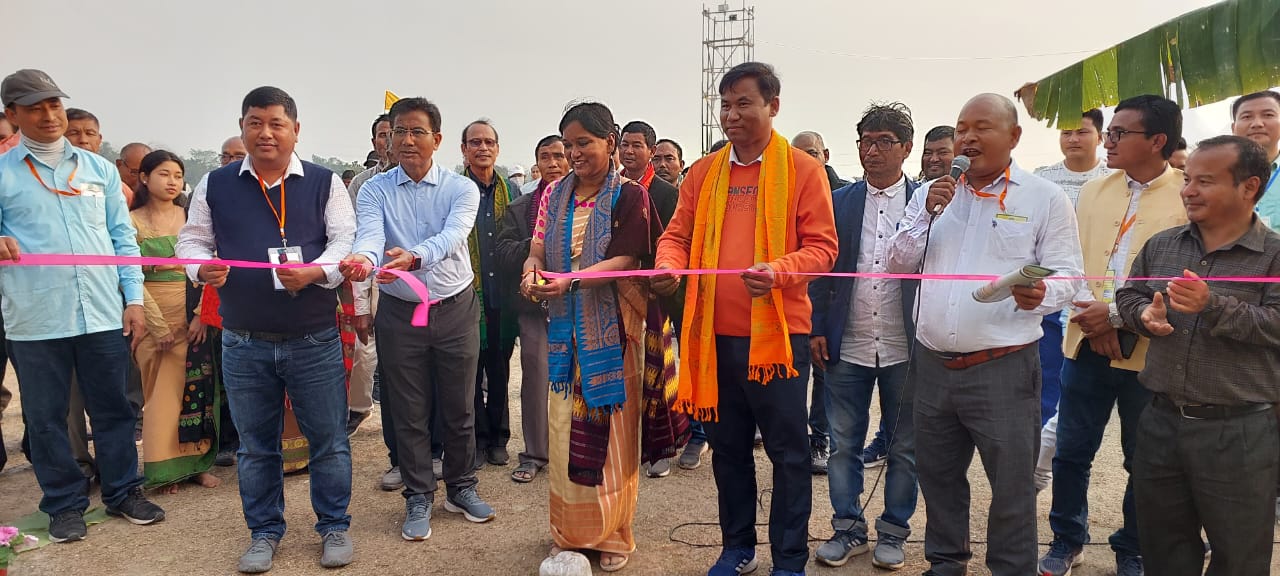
[(668, 161)]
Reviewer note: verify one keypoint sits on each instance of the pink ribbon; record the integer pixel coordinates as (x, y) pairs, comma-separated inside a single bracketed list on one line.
[(885, 275), (420, 314)]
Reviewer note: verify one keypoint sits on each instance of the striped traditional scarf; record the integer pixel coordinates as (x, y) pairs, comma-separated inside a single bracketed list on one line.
[(770, 355)]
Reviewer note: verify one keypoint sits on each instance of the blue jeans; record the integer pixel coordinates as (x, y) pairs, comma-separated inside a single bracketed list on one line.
[(257, 373), (101, 363), (1090, 388), (1050, 366), (848, 401)]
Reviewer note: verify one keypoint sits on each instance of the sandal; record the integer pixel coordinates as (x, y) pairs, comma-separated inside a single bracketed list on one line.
[(620, 561), (525, 472)]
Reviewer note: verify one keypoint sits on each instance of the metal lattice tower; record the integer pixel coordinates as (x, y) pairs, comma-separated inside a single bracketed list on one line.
[(728, 39)]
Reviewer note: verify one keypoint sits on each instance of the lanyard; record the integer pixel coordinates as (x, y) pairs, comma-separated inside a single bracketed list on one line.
[(1124, 227), (280, 214), (74, 191), (1002, 194)]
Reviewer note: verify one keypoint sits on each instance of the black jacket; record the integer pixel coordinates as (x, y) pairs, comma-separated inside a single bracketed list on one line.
[(511, 250)]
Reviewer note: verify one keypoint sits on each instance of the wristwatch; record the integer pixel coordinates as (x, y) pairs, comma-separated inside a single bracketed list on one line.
[(1113, 316), (575, 284)]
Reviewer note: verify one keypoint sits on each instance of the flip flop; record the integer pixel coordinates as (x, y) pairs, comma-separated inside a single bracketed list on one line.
[(614, 567), (528, 468)]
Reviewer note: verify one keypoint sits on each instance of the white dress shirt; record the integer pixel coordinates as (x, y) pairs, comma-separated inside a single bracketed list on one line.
[(197, 238), (975, 236), (874, 335)]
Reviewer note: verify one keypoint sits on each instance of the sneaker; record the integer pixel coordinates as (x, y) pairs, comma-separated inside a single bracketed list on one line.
[(225, 458), (354, 420), (781, 572), (469, 504), (417, 518), (391, 480), (660, 469), (734, 561), (137, 509), (819, 455), (1060, 559), (691, 457), (437, 467), (338, 549), (257, 558), (67, 527), (889, 553), (875, 454), (497, 455), (845, 544), (1129, 565)]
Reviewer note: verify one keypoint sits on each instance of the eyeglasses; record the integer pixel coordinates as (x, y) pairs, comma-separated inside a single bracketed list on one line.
[(416, 132), (1115, 134), (478, 142), (231, 157), (881, 144)]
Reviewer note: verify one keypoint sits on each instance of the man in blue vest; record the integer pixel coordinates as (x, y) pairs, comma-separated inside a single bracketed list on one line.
[(280, 331), (862, 331)]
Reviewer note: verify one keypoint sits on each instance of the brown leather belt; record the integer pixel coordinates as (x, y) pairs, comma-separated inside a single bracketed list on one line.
[(952, 361)]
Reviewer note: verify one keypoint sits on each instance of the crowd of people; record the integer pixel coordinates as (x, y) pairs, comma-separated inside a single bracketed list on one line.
[(272, 370)]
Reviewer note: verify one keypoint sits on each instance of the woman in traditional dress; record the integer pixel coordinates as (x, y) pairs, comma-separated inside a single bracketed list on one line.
[(594, 220), (179, 433)]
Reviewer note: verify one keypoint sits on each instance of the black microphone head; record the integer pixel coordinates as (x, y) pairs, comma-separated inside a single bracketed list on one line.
[(959, 165)]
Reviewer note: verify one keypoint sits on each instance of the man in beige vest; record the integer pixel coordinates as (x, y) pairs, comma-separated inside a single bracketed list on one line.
[(1117, 214)]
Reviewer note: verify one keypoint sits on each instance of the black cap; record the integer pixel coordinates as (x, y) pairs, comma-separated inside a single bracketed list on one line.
[(28, 87)]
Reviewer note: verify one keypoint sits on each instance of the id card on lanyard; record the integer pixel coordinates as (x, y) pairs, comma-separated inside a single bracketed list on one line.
[(285, 254)]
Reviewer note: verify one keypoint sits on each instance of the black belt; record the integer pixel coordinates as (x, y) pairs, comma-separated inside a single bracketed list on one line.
[(267, 336), (1206, 411)]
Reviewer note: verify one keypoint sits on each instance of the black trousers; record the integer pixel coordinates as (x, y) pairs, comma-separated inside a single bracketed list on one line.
[(423, 367), (1216, 475), (780, 410), (493, 417)]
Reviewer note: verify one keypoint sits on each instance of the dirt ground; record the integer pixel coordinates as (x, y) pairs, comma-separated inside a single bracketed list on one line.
[(204, 532)]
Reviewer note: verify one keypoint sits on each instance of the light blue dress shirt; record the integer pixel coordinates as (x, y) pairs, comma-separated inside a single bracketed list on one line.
[(432, 219), (49, 302), (1269, 206)]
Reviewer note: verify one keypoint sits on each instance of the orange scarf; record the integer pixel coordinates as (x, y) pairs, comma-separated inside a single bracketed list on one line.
[(770, 356)]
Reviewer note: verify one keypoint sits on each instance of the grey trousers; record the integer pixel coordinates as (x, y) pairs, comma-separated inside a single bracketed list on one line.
[(533, 388), (994, 407), (422, 365), (1219, 475)]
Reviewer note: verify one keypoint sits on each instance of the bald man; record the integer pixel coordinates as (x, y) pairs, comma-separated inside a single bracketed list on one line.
[(233, 150), (976, 367), (811, 143), (130, 161)]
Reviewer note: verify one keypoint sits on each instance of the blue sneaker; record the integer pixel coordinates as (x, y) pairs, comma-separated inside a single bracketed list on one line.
[(1060, 559), (417, 518), (781, 572), (1129, 565), (875, 453), (734, 561), (469, 504)]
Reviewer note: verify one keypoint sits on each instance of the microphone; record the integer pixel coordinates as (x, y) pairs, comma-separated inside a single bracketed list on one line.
[(959, 165)]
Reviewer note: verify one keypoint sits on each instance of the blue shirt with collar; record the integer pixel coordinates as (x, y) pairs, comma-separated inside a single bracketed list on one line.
[(431, 218), (50, 302)]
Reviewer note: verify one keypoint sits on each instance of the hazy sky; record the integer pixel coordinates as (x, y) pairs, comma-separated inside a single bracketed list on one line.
[(173, 73)]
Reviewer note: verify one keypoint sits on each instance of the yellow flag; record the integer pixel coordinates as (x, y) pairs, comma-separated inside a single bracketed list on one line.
[(388, 100)]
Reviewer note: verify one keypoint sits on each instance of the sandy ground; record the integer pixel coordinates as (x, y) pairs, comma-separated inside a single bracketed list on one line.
[(204, 532)]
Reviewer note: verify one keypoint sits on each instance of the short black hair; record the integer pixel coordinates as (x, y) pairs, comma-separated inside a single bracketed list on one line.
[(74, 114), (1251, 160), (380, 119), (266, 97), (595, 118), (679, 150), (766, 79), (644, 129), (1235, 106), (546, 141), (480, 122), (416, 104), (937, 133), (149, 163), (717, 145), (892, 117), (348, 174), (1095, 115), (1160, 115), (1182, 144)]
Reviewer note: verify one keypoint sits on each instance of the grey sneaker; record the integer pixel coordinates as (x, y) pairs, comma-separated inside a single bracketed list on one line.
[(417, 518), (660, 469), (889, 553), (845, 544), (392, 481), (67, 526), (820, 455), (338, 549), (691, 457), (257, 558), (469, 504), (1060, 559), (1129, 565)]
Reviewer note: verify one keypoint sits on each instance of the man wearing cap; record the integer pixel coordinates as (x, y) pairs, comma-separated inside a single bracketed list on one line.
[(516, 175), (60, 199)]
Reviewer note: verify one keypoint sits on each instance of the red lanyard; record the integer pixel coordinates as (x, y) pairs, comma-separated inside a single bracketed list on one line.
[(1002, 194), (280, 214), (74, 191)]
